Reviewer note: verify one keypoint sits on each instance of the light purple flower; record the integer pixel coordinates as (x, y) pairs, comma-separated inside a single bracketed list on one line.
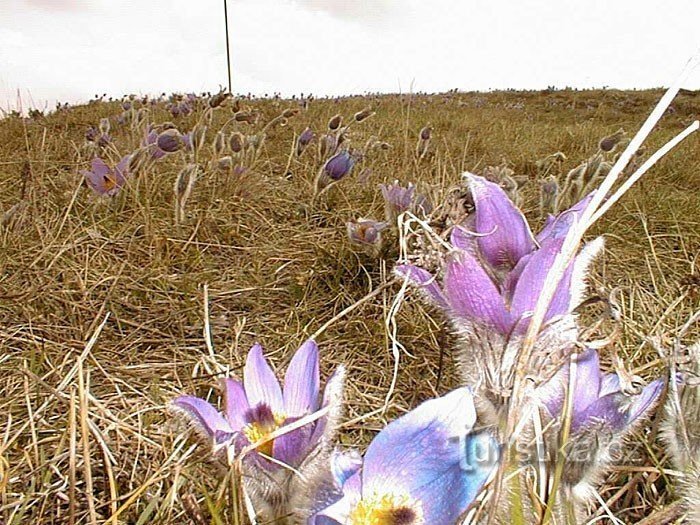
[(258, 406), (306, 137), (150, 141), (425, 467), (105, 180), (597, 398), (339, 165), (365, 231), (170, 141), (397, 199), (498, 269)]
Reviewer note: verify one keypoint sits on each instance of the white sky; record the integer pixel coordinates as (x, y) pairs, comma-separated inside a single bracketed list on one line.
[(71, 49)]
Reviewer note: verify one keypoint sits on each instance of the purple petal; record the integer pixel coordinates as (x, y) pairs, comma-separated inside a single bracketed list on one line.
[(532, 279), (235, 403), (261, 385), (472, 294), (609, 385), (205, 417), (99, 167), (430, 455), (645, 401), (606, 411), (301, 382), (344, 464), (425, 280), (293, 447), (339, 511), (507, 236), (587, 381), (562, 223)]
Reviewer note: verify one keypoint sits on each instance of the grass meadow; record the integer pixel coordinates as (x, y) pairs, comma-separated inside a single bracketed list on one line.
[(110, 307)]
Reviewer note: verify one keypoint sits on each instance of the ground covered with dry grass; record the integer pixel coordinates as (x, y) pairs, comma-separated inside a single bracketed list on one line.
[(108, 309)]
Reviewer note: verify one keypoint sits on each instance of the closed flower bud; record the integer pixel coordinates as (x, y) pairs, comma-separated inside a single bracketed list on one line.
[(198, 135), (426, 133), (236, 142), (218, 99), (339, 165), (246, 116), (224, 163), (611, 141), (170, 141), (219, 143), (363, 115), (335, 122)]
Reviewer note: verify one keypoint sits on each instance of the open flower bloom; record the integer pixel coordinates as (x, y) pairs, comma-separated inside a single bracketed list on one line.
[(497, 269), (365, 232), (397, 199), (258, 406), (424, 468), (597, 398), (105, 180)]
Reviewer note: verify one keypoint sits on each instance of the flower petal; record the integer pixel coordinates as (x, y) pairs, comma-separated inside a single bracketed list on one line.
[(562, 223), (425, 280), (261, 385), (205, 417), (645, 401), (327, 426), (344, 463), (588, 379), (532, 279), (429, 455), (301, 382), (235, 402), (472, 294), (293, 447), (338, 512), (507, 236)]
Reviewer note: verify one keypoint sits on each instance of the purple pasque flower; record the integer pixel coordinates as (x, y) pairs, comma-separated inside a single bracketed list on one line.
[(339, 165), (397, 199), (598, 399), (365, 231), (150, 141), (306, 136), (257, 406), (104, 179), (425, 467), (170, 141), (497, 269)]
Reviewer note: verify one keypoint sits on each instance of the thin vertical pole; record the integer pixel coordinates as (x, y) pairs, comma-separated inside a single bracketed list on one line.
[(228, 47)]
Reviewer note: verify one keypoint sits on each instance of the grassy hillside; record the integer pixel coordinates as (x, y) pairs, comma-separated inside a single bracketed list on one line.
[(257, 258)]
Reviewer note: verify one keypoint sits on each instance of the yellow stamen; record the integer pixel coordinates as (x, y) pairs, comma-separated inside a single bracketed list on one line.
[(257, 431), (387, 509)]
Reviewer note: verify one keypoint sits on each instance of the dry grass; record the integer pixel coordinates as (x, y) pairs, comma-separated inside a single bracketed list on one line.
[(102, 303)]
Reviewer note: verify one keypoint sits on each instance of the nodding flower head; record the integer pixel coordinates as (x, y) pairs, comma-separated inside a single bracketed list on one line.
[(105, 180), (497, 269), (339, 165), (305, 138), (170, 141), (256, 407), (597, 399), (602, 412), (424, 468)]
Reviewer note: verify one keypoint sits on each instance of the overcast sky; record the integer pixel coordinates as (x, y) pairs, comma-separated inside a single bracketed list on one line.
[(71, 49)]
